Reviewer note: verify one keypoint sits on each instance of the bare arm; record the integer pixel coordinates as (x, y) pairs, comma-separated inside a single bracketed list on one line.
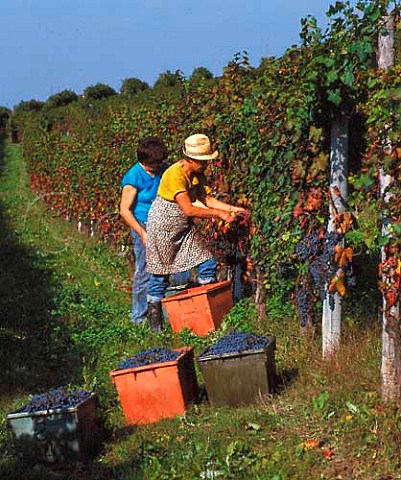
[(128, 197), (198, 203), (204, 211), (212, 202)]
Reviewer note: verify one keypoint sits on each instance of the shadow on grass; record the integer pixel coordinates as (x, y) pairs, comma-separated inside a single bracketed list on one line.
[(35, 351), (285, 378), (36, 354), (130, 469)]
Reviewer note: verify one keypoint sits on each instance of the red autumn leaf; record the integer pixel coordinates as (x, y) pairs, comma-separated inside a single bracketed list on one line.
[(303, 220), (314, 200), (327, 453), (298, 210), (310, 444), (391, 297)]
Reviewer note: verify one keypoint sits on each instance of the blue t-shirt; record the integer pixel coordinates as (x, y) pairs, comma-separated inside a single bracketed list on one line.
[(146, 187)]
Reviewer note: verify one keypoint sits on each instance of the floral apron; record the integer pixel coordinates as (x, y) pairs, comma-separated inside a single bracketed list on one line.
[(173, 243)]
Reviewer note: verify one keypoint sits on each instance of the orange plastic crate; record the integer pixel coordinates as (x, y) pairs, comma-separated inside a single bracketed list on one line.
[(159, 390), (200, 309)]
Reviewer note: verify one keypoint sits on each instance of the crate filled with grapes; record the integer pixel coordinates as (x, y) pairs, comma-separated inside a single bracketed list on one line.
[(58, 426), (239, 369), (156, 383)]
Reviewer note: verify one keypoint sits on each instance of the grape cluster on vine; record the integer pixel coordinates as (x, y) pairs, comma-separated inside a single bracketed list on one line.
[(318, 250), (309, 246), (303, 301)]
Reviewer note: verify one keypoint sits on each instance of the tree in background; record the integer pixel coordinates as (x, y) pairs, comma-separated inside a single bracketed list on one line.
[(98, 92), (200, 74), (169, 79), (131, 87), (5, 114), (28, 106), (20, 114), (265, 64), (61, 99)]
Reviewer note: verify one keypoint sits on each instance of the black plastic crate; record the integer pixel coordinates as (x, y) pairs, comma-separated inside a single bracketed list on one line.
[(56, 436), (239, 378)]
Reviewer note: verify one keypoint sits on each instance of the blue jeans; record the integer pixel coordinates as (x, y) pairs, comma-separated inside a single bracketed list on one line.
[(158, 283), (141, 281)]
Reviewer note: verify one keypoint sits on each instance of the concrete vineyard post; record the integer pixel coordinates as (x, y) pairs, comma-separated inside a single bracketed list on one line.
[(331, 318), (391, 348)]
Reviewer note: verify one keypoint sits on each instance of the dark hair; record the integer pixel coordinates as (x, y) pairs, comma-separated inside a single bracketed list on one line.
[(151, 149)]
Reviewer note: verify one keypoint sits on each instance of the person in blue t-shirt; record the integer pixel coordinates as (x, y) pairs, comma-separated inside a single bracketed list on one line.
[(139, 189)]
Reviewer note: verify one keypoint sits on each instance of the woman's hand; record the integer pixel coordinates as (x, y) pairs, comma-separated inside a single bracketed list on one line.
[(228, 217), (144, 237), (243, 212)]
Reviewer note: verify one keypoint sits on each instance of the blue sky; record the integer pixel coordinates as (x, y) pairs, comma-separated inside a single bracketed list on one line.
[(50, 45)]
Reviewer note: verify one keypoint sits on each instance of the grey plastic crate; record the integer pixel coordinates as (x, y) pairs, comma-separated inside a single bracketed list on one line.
[(56, 436), (239, 378)]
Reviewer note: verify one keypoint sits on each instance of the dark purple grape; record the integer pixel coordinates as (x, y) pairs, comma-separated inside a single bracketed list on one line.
[(332, 302), (147, 357), (237, 342), (319, 252), (304, 302), (58, 398), (309, 246)]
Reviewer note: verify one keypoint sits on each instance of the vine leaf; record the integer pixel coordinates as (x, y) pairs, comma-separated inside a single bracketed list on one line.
[(314, 200), (343, 255), (337, 284), (343, 222)]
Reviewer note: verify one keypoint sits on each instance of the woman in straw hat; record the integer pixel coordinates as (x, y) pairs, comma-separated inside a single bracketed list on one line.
[(173, 243)]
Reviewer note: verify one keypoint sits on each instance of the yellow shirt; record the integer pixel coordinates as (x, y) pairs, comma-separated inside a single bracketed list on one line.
[(175, 180)]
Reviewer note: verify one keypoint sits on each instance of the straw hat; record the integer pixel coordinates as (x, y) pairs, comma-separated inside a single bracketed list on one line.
[(198, 147)]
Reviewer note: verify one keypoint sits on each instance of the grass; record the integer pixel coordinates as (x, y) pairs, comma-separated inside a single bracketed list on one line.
[(65, 320)]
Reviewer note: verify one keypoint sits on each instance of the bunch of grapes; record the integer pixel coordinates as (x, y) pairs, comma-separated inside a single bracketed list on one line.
[(147, 357), (318, 268), (58, 399), (330, 241), (319, 253), (309, 246), (303, 301), (350, 277), (237, 342), (332, 302)]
